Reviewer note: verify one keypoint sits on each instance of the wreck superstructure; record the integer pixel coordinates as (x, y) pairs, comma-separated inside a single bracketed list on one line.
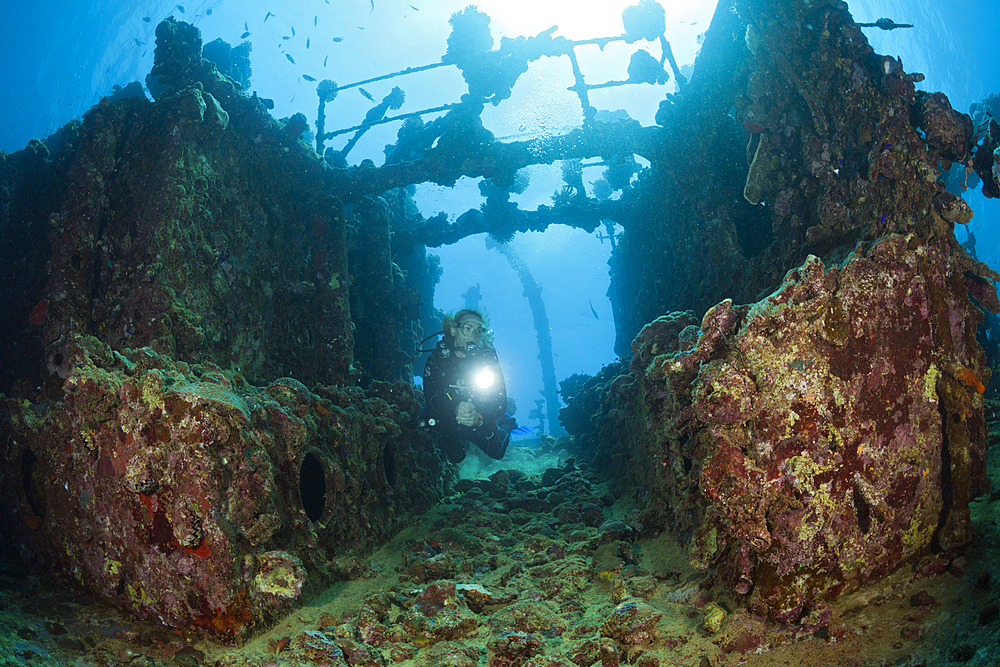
[(196, 416)]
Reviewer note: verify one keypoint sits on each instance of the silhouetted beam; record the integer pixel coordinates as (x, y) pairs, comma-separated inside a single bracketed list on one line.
[(586, 214), (445, 166)]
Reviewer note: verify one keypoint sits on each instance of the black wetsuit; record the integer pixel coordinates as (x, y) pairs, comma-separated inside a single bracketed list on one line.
[(450, 379)]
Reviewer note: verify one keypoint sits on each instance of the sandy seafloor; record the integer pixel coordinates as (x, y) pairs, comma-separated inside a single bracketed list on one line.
[(549, 600)]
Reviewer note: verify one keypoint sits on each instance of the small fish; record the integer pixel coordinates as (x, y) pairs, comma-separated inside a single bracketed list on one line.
[(290, 58), (245, 26), (592, 310), (146, 19), (245, 35), (285, 37), (367, 94), (338, 39), (180, 8), (139, 43), (308, 78), (315, 20), (293, 31), (373, 7), (269, 15), (307, 42), (360, 27), (414, 8), (324, 60)]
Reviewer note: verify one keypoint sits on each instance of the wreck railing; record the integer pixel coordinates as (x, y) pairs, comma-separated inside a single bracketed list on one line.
[(504, 66)]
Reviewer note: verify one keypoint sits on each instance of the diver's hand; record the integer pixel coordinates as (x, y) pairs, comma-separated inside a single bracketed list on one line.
[(466, 414)]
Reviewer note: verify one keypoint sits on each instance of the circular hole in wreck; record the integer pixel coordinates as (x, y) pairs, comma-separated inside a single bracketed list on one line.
[(312, 486)]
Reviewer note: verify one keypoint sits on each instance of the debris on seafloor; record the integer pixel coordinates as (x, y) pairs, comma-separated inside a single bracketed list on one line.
[(516, 567)]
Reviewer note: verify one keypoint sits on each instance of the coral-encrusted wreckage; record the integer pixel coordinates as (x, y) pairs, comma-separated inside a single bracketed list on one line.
[(199, 428)]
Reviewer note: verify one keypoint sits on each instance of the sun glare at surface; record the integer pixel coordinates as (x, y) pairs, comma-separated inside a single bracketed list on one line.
[(586, 20)]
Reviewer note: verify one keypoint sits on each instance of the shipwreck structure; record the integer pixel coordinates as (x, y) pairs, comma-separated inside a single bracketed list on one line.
[(197, 428)]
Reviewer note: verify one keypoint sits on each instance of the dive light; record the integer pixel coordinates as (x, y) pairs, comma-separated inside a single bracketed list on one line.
[(484, 379)]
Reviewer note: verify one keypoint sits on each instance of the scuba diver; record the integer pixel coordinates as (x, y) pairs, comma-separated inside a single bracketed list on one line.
[(464, 390)]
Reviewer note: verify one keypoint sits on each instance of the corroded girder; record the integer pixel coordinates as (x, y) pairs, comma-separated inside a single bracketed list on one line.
[(446, 165)]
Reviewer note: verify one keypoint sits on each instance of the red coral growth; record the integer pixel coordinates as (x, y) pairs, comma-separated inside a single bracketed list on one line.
[(38, 313), (228, 623), (968, 377)]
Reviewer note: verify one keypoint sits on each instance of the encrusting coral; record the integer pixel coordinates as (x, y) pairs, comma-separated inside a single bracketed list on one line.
[(182, 492)]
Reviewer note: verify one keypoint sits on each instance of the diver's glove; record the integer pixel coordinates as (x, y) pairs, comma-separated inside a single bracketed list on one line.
[(466, 414)]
